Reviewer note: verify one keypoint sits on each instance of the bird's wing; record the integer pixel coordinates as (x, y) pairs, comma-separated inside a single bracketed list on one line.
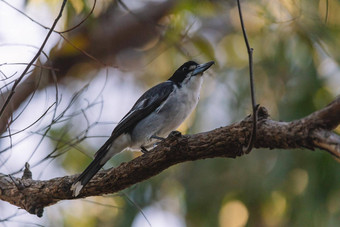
[(145, 105)]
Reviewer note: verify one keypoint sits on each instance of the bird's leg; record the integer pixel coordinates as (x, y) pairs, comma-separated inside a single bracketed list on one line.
[(143, 150), (157, 138), (161, 139)]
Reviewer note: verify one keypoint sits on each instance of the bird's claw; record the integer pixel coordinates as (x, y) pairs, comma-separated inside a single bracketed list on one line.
[(144, 150)]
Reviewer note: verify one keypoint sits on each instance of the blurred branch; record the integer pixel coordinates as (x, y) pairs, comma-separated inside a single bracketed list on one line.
[(83, 20), (327, 7), (6, 103), (113, 34), (313, 131)]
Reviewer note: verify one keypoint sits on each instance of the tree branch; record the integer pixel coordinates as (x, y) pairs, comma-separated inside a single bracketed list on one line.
[(313, 131)]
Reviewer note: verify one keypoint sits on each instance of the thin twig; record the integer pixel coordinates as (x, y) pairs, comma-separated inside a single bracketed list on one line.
[(43, 26), (82, 21), (21, 12), (326, 17), (16, 83), (252, 90), (65, 31)]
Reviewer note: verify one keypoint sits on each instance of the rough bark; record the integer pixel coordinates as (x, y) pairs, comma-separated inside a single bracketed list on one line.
[(313, 131)]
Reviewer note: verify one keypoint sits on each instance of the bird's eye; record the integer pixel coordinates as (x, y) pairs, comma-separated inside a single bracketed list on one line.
[(184, 69)]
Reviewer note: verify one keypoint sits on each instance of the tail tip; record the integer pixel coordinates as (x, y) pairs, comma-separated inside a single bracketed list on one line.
[(76, 188)]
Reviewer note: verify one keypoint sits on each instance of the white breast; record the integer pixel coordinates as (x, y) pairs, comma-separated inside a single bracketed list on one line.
[(169, 115), (180, 104)]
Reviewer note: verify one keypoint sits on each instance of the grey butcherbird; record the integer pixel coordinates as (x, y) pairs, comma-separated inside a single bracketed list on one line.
[(156, 113)]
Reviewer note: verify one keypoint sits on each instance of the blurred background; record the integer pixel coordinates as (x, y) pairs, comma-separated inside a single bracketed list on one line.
[(105, 54)]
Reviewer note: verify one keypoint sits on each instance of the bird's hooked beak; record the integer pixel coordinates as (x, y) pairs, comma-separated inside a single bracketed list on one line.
[(202, 67)]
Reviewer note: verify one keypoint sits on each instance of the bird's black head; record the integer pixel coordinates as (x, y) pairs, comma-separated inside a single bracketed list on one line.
[(189, 69)]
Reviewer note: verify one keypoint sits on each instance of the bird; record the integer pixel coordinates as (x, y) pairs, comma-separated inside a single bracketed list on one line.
[(159, 111)]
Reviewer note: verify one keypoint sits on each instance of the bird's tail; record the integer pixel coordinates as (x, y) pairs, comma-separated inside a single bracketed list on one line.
[(98, 162), (86, 176)]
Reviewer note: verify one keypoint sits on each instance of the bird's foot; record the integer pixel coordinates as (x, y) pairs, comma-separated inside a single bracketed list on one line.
[(175, 134)]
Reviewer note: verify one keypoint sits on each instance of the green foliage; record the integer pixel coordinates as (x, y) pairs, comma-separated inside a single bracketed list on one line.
[(72, 160)]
